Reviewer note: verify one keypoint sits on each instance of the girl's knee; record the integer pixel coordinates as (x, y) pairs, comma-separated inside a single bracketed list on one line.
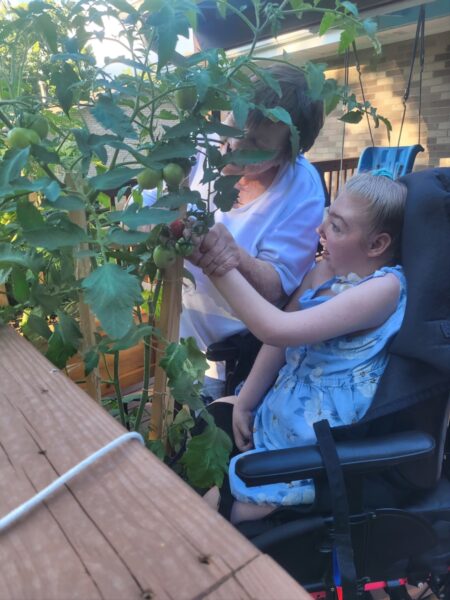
[(225, 400), (241, 511)]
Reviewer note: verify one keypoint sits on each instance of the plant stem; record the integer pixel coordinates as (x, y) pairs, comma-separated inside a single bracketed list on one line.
[(5, 120), (123, 418), (147, 354)]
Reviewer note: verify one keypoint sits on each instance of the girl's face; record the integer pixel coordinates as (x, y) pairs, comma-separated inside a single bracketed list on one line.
[(266, 136), (345, 237)]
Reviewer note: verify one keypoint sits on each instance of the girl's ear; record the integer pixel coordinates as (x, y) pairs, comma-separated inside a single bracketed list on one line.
[(379, 244)]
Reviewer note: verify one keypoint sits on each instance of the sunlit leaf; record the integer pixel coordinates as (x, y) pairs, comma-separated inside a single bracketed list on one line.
[(347, 37), (328, 20), (38, 326)]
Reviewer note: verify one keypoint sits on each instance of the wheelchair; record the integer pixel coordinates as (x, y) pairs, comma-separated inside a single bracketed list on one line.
[(382, 513)]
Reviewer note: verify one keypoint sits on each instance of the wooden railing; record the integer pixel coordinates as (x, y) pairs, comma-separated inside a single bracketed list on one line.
[(126, 527), (336, 173)]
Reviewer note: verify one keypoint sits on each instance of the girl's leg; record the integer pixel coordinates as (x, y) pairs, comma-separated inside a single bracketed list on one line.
[(241, 511), (212, 498)]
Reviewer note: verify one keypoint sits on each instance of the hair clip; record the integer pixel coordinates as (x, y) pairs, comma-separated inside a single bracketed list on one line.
[(383, 172)]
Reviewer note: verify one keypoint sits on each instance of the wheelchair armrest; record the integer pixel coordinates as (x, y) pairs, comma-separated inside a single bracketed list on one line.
[(361, 456), (224, 350)]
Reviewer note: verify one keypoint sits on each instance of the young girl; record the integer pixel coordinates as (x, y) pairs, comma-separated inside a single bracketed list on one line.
[(334, 349)]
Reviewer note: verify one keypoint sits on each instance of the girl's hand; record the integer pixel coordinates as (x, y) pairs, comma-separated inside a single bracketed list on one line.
[(243, 428)]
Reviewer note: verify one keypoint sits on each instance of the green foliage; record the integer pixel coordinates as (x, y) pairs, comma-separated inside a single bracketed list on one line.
[(206, 457), (61, 181), (112, 293)]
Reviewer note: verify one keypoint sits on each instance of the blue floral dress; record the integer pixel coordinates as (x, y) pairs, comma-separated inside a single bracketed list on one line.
[(334, 380)]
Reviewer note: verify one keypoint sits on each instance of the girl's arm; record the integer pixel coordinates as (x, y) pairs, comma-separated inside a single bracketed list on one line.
[(363, 307), (269, 360), (265, 369)]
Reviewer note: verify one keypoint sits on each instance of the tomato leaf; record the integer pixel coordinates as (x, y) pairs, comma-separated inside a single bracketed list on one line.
[(327, 21), (47, 30), (112, 117), (113, 179), (133, 217), (11, 166), (206, 457), (352, 117), (112, 293)]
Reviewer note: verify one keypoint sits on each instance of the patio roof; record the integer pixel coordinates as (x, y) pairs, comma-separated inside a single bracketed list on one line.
[(396, 21), (212, 32)]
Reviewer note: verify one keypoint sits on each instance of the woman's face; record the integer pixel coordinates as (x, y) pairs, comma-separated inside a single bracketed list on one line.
[(345, 236), (267, 136)]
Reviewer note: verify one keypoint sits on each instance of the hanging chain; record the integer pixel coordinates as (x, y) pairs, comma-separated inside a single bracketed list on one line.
[(422, 64), (346, 63), (358, 68), (420, 34)]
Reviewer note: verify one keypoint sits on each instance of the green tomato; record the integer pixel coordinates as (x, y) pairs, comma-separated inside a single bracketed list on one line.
[(33, 136), (19, 137), (173, 175), (186, 98), (164, 257), (184, 247), (149, 178), (39, 124)]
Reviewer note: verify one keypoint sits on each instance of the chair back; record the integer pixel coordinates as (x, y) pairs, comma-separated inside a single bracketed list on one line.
[(413, 393), (398, 160)]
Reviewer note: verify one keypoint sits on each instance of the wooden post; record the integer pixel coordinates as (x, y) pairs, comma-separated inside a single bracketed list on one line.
[(3, 296), (169, 325), (87, 320)]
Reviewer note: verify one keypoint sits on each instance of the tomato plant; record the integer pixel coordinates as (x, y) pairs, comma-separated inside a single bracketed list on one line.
[(75, 133)]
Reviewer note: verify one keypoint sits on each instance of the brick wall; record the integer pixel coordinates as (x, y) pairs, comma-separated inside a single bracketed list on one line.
[(384, 79)]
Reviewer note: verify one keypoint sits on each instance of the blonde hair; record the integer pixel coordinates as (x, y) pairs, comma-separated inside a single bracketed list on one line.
[(386, 200)]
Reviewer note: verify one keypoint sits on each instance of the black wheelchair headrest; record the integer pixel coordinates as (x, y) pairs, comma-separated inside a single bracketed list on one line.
[(425, 334), (419, 362)]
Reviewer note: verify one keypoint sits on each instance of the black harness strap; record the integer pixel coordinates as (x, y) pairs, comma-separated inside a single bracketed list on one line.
[(342, 540)]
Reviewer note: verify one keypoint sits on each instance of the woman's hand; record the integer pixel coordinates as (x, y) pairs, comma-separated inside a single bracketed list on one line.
[(217, 252), (243, 427)]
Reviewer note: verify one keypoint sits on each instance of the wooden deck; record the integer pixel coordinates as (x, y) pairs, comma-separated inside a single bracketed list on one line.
[(127, 528)]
